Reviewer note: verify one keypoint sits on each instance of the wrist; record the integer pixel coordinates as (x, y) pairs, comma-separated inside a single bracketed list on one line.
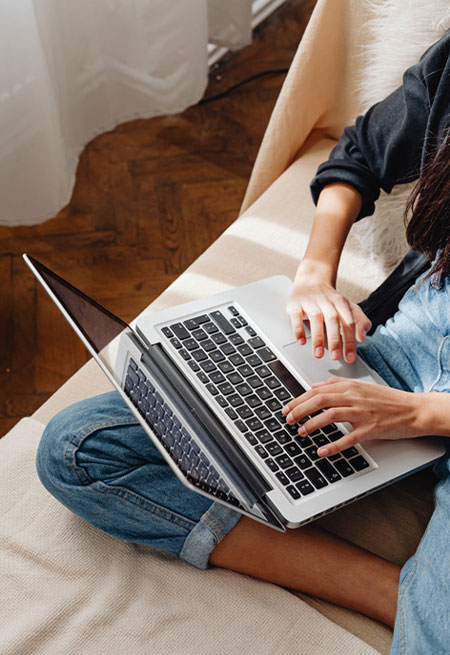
[(316, 270), (432, 414)]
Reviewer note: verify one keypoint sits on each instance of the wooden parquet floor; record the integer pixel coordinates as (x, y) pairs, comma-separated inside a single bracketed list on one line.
[(150, 196)]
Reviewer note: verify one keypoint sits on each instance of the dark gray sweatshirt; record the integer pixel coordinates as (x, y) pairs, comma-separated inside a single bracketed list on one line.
[(390, 144)]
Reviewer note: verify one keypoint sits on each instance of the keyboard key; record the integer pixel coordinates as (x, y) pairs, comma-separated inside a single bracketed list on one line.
[(208, 366), (250, 331), (263, 436), (190, 344), (349, 452), (312, 453), (221, 401), (222, 322), (244, 411), (166, 332), (273, 405), (242, 321), (294, 474), (273, 466), (253, 401), (236, 339), (251, 438), (303, 442), (210, 328), (254, 381), (217, 356), (283, 461), (292, 429), (228, 349), (226, 367), (316, 478), (262, 413), (175, 343), (245, 370), (225, 388), (282, 394), (244, 389), (262, 371), (180, 331), (190, 323), (293, 491), (235, 400), (321, 440), (261, 452), (282, 478), (202, 319), (292, 449), (199, 355), (343, 467), (212, 389), (282, 437), (234, 378), (241, 425), (208, 345), (264, 393), (254, 360), (245, 349), (237, 360), (184, 353), (231, 413), (217, 377), (272, 382), (272, 424), (359, 463), (274, 449), (199, 334), (304, 487), (219, 338), (334, 436), (329, 428), (328, 470), (256, 342), (302, 461), (266, 354), (233, 310), (254, 424), (202, 377)]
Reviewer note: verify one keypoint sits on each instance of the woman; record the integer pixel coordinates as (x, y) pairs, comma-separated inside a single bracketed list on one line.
[(95, 458)]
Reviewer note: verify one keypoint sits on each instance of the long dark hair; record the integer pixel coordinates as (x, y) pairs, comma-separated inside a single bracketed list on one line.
[(427, 213)]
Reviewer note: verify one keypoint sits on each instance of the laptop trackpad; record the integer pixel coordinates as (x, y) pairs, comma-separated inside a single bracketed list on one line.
[(316, 370)]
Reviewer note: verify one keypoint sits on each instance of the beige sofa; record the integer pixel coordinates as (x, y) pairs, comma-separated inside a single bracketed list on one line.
[(66, 587)]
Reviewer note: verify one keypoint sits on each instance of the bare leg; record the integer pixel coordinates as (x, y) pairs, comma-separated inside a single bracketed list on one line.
[(313, 561)]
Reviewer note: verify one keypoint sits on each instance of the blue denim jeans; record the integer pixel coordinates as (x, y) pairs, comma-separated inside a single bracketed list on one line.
[(96, 459)]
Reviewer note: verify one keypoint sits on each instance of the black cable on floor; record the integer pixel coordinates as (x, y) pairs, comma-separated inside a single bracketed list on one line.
[(275, 71)]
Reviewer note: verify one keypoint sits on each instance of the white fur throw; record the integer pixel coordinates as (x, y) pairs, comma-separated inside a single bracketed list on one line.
[(399, 32)]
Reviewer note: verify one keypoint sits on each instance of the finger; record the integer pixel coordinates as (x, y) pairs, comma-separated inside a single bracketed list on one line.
[(335, 402), (315, 317), (332, 326), (347, 441), (323, 383), (348, 329), (362, 323), (328, 417), (296, 316)]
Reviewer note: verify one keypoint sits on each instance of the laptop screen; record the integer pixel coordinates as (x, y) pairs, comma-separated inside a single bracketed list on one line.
[(102, 330)]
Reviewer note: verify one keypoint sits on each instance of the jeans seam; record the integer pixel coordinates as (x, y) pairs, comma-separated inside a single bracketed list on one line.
[(219, 535), (145, 504), (69, 457), (403, 589), (80, 436)]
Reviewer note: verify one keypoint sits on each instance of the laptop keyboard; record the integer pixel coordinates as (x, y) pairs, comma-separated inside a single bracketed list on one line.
[(251, 385), (181, 446)]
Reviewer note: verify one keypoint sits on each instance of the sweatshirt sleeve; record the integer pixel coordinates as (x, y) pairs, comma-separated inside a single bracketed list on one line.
[(387, 145)]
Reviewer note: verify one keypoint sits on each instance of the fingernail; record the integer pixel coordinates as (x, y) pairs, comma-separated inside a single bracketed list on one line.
[(335, 354), (302, 431), (285, 409), (350, 357), (302, 341), (323, 452), (289, 417), (318, 351)]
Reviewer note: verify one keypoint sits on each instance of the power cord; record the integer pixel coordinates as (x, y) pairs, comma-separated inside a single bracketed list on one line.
[(275, 71)]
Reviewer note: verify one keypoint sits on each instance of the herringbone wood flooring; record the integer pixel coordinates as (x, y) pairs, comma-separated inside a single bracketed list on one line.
[(150, 196)]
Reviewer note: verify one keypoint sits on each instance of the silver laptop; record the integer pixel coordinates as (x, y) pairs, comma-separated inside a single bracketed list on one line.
[(207, 381)]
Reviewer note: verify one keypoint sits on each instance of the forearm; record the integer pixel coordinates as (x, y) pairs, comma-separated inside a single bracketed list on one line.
[(432, 414), (337, 208)]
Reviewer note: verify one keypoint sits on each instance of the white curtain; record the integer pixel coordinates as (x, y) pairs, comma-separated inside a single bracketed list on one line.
[(74, 68)]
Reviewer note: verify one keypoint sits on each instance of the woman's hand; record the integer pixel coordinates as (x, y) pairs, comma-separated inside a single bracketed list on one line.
[(375, 411), (314, 298)]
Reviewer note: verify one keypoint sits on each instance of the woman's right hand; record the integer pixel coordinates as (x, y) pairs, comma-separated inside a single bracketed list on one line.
[(314, 298)]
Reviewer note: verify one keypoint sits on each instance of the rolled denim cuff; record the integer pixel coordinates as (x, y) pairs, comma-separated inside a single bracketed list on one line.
[(215, 523)]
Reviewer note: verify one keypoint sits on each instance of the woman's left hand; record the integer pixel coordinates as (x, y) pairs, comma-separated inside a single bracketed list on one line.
[(375, 411)]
